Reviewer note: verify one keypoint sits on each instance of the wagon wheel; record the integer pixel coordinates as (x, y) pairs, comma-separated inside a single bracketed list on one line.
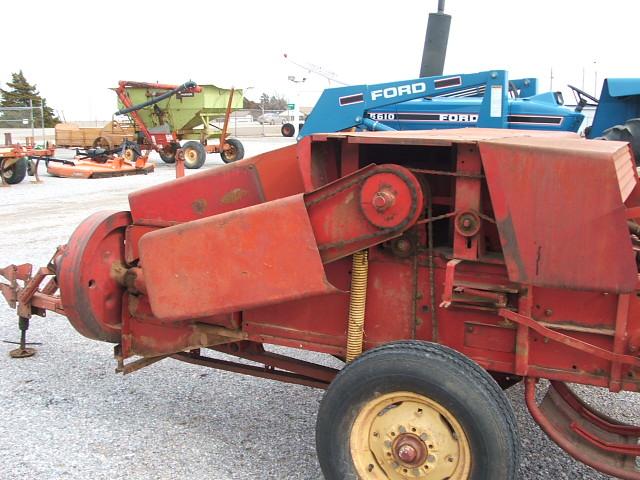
[(168, 154), (102, 142), (130, 154), (14, 173), (194, 154), (235, 151), (416, 410)]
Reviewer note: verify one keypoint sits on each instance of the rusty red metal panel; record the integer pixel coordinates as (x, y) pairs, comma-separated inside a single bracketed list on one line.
[(198, 196), (560, 212), (91, 296), (253, 256), (132, 237), (279, 172)]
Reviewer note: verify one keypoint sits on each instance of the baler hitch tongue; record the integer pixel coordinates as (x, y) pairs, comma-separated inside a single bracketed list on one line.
[(29, 299)]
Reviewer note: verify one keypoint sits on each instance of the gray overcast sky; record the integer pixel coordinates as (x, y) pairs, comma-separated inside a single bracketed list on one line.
[(75, 51)]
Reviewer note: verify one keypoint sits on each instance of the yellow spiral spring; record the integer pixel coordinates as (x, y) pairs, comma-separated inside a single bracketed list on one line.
[(357, 301)]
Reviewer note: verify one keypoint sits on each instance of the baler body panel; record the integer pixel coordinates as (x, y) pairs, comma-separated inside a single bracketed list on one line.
[(540, 216), (247, 182), (233, 261)]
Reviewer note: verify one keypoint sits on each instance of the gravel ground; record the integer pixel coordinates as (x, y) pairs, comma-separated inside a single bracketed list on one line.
[(67, 415)]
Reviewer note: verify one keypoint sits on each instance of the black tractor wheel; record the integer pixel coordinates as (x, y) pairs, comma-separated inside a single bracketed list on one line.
[(628, 132), (16, 172), (287, 130), (194, 154), (416, 410), (168, 154), (235, 151)]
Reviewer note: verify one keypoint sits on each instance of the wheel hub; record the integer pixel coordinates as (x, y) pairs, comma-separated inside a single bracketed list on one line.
[(409, 449), (190, 155), (405, 435)]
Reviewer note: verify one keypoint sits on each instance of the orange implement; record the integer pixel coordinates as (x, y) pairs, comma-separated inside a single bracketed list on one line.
[(115, 167)]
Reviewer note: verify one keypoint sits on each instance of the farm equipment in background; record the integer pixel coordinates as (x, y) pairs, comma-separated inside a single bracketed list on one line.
[(435, 273), (163, 115), (99, 163), (485, 99), (617, 114), (68, 135), (16, 161)]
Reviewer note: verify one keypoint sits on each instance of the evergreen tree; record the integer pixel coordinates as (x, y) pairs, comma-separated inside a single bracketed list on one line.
[(19, 94)]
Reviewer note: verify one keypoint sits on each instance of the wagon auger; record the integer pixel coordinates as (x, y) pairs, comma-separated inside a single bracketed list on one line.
[(441, 266)]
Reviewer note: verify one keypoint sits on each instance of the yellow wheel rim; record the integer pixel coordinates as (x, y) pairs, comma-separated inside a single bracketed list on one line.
[(404, 435), (128, 155), (190, 155)]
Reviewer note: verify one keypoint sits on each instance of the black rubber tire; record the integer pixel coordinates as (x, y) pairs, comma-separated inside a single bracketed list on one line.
[(287, 130), (628, 132), (31, 168), (201, 154), (168, 155), (235, 153), (16, 172), (432, 370)]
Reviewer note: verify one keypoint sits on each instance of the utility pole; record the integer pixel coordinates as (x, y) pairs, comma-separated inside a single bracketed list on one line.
[(33, 135)]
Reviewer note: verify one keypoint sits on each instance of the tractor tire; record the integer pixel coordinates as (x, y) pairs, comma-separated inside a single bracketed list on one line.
[(194, 154), (16, 172), (416, 409), (287, 130), (628, 132), (235, 152), (31, 168), (168, 155)]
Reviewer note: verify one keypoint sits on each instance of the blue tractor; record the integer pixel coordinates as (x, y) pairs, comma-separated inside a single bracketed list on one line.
[(485, 99)]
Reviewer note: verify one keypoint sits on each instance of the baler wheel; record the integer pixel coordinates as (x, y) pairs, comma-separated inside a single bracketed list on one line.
[(14, 173), (416, 410), (194, 154), (628, 132), (235, 151)]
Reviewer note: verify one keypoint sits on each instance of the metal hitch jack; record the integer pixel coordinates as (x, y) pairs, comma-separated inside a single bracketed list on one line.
[(23, 351)]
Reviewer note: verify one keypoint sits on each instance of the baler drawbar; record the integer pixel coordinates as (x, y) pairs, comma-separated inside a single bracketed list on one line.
[(442, 266)]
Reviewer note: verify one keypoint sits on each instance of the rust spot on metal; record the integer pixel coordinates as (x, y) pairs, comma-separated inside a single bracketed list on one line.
[(233, 195), (199, 206)]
